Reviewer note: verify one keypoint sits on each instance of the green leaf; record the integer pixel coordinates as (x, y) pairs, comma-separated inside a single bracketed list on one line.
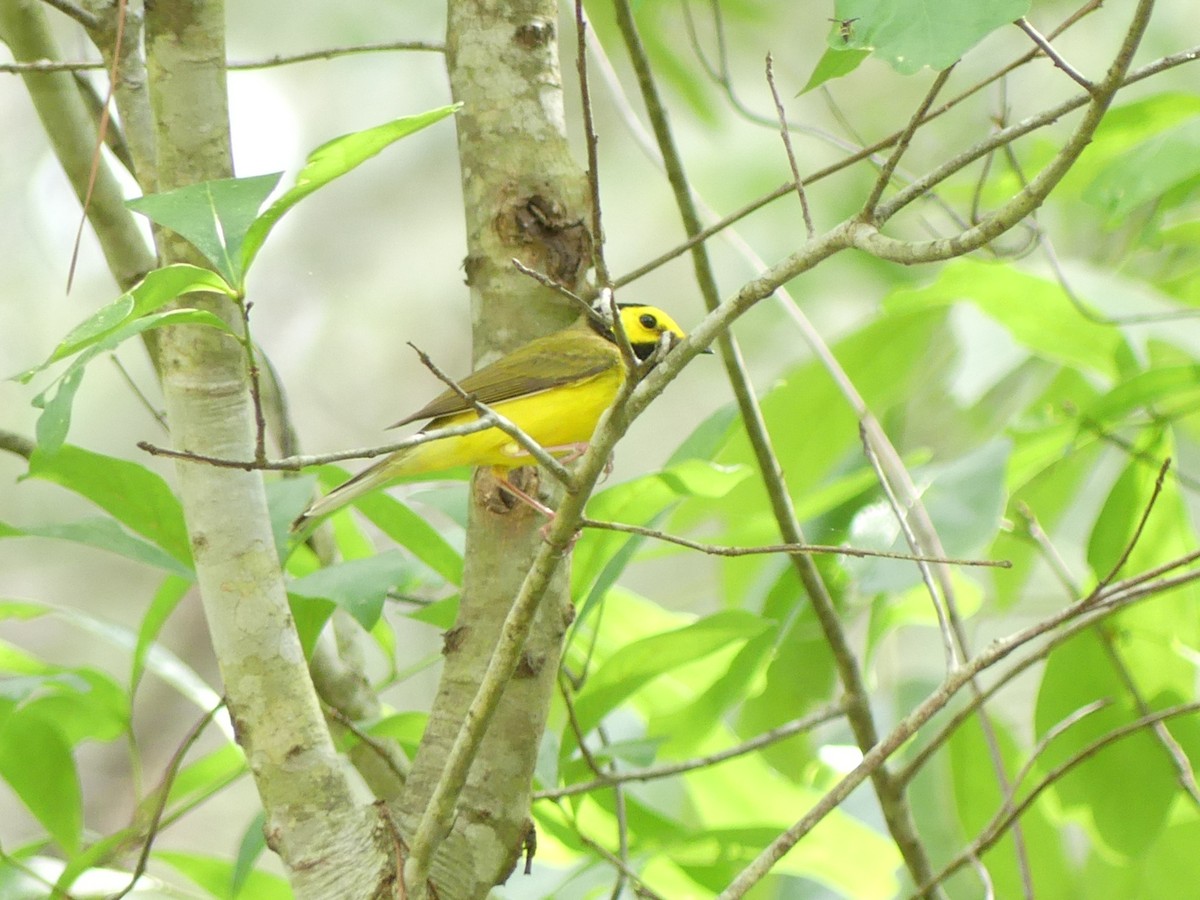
[(1036, 311), (1177, 385), (406, 528), (911, 34), (82, 704), (405, 728), (21, 609), (36, 762), (207, 775), (213, 216), (440, 614), (104, 534), (835, 62), (55, 420), (130, 493), (1146, 172), (153, 292), (253, 842), (57, 411), (286, 499), (1115, 524), (977, 797), (310, 615), (330, 161), (166, 598), (1125, 813), (216, 876), (17, 662), (636, 664), (357, 586), (602, 555)]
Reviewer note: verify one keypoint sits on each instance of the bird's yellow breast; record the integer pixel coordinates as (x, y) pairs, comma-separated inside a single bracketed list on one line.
[(560, 416)]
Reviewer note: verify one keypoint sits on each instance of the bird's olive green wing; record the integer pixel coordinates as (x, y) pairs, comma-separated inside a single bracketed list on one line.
[(563, 357)]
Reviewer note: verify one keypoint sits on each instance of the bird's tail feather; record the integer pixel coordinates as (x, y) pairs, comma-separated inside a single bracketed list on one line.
[(348, 491)]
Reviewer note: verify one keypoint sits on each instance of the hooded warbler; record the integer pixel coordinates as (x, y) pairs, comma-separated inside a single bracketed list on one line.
[(555, 388)]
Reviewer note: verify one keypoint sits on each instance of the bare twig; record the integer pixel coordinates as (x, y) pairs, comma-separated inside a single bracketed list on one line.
[(101, 129), (547, 281), (832, 549), (260, 421), (1183, 766), (1047, 48), (893, 804), (295, 463), (903, 139), (955, 681), (334, 52), (164, 792), (235, 66), (84, 17), (1137, 533), (782, 732), (17, 443), (589, 130), (900, 514), (158, 415), (1032, 124), (642, 890), (786, 137)]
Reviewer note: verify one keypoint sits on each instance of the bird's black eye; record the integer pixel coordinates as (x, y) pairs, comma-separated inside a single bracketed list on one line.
[(648, 321)]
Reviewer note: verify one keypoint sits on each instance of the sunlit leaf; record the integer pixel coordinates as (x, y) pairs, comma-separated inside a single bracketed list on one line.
[(216, 876), (1036, 311), (637, 663), (398, 521), (54, 422)]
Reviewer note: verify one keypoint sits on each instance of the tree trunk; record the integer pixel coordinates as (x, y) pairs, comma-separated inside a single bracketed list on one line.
[(327, 841), (526, 198)]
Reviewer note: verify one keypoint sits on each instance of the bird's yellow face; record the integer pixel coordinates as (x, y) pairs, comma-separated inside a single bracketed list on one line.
[(645, 326)]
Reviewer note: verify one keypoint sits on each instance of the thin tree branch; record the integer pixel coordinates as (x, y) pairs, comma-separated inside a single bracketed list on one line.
[(954, 682), (1136, 536), (1047, 48), (1001, 139), (786, 137), (835, 550), (949, 648), (903, 139), (163, 793), (17, 444), (295, 463), (667, 770), (78, 13), (589, 130)]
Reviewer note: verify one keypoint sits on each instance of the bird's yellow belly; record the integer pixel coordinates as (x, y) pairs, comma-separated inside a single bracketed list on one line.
[(557, 417)]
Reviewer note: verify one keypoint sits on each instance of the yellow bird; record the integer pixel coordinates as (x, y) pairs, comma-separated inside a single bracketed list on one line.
[(555, 388)]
